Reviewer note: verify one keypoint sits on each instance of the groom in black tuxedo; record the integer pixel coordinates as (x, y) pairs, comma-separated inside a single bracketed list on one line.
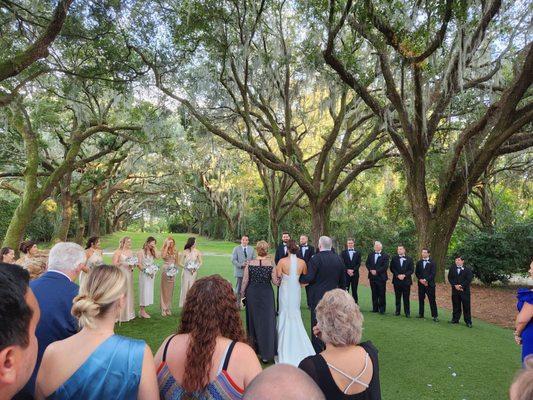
[(425, 272), (377, 264), (460, 277), (352, 261), (305, 252), (281, 252), (325, 272), (402, 269)]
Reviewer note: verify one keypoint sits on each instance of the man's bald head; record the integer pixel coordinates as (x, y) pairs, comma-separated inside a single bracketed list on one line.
[(283, 381)]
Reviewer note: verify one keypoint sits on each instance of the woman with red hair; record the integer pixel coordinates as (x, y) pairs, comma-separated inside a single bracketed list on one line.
[(208, 357)]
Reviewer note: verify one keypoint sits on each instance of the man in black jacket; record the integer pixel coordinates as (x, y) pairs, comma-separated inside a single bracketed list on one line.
[(352, 261), (281, 250), (325, 272), (305, 252), (425, 272), (402, 268), (460, 277), (377, 263)]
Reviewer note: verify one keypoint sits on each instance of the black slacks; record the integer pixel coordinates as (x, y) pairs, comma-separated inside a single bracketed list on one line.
[(461, 299), (379, 302), (353, 281), (403, 291), (318, 344), (428, 291)]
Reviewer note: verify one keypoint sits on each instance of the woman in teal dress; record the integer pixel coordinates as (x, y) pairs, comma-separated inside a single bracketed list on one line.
[(95, 363), (524, 320)]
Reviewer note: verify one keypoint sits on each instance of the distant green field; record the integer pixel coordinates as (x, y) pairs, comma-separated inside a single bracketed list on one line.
[(418, 359)]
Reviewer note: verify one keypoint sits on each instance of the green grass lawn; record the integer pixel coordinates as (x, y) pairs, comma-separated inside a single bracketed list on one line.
[(419, 359)]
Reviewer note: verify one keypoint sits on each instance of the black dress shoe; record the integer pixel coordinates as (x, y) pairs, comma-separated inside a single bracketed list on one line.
[(454, 322), (407, 315), (469, 325), (396, 313), (435, 319), (421, 316)]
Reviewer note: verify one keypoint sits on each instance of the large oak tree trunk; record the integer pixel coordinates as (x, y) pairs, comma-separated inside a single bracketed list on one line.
[(81, 222), (21, 218), (320, 214), (95, 213)]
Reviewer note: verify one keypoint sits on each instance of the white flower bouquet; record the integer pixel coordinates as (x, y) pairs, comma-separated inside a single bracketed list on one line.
[(131, 261), (192, 266), (151, 270), (171, 271)]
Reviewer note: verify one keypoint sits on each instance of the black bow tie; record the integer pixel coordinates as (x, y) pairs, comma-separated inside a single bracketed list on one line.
[(402, 257), (351, 249), (378, 253), (426, 260)]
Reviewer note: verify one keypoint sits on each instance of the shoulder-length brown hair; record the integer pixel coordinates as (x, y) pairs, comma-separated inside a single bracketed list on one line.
[(210, 311)]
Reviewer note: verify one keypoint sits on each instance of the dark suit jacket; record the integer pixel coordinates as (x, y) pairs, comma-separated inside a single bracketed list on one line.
[(325, 272), (427, 273), (54, 293), (464, 278), (280, 253), (381, 266), (354, 263), (310, 252), (406, 269)]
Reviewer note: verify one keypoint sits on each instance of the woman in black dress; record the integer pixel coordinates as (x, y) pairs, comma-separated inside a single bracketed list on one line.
[(347, 369), (257, 281)]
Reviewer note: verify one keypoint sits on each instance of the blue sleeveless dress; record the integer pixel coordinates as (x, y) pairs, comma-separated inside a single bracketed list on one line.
[(112, 371), (526, 296)]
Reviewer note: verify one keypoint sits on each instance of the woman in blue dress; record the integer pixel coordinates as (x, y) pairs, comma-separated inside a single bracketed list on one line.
[(95, 363), (524, 321)]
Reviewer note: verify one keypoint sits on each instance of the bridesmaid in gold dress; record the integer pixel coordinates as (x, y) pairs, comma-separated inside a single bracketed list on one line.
[(123, 258), (94, 255), (190, 261), (169, 256)]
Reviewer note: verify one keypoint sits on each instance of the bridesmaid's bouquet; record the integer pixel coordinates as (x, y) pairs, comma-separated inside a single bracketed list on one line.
[(192, 266), (131, 261), (171, 271), (151, 270)]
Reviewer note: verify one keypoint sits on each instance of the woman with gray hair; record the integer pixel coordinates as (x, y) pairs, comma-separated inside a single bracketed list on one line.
[(347, 369)]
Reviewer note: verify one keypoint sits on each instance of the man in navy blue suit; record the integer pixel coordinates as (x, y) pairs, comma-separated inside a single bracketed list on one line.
[(55, 291)]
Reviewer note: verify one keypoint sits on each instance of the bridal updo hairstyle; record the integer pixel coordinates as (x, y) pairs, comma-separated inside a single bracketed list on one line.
[(99, 293), (26, 246), (339, 319), (292, 247), (210, 311), (262, 248)]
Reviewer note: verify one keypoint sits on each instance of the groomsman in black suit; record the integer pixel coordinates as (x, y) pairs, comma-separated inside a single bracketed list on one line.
[(377, 263), (460, 277), (324, 273), (352, 261), (281, 250), (305, 252), (402, 267), (425, 272)]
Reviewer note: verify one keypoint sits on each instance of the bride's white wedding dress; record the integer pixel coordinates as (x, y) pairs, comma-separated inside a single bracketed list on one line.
[(293, 343)]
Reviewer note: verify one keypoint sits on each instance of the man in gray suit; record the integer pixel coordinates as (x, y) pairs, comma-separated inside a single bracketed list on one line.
[(240, 257)]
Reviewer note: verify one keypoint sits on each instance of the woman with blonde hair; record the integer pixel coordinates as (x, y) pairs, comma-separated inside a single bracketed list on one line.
[(96, 363), (259, 274), (347, 369), (145, 262), (169, 255), (124, 259)]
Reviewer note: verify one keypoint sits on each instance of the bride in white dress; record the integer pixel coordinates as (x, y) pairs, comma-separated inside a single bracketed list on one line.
[(293, 343)]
